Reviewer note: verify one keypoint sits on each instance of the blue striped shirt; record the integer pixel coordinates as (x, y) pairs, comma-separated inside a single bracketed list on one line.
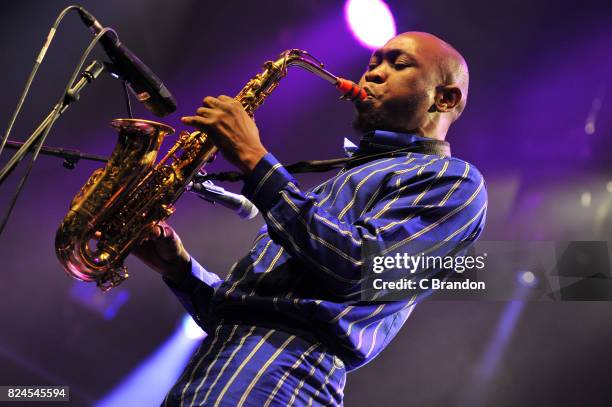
[(303, 272)]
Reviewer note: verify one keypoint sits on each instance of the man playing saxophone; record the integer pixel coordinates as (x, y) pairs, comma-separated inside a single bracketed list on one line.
[(285, 327)]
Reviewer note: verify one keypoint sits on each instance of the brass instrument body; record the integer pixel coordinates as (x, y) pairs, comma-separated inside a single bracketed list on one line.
[(109, 215)]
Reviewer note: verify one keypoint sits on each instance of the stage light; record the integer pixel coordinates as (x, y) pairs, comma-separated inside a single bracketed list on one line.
[(158, 372), (492, 356), (527, 278), (191, 329), (370, 21), (585, 199)]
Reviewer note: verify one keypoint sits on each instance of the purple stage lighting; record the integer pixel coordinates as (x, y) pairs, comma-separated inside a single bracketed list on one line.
[(104, 304), (370, 21), (158, 371)]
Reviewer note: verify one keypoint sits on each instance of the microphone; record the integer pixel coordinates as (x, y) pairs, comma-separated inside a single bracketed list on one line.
[(215, 194), (143, 83)]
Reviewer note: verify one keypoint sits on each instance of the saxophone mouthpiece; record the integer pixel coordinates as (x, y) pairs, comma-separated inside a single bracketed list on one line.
[(350, 90)]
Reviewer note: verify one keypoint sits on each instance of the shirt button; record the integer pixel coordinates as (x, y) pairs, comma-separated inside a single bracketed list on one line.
[(338, 363)]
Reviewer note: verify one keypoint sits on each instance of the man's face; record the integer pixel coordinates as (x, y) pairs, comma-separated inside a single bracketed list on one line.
[(401, 79)]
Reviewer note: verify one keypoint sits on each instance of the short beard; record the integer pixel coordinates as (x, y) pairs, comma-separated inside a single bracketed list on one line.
[(371, 120)]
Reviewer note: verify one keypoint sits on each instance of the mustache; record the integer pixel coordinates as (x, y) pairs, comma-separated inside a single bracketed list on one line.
[(368, 91)]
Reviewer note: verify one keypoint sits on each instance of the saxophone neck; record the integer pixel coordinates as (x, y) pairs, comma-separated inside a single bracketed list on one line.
[(258, 88), (349, 89), (298, 57)]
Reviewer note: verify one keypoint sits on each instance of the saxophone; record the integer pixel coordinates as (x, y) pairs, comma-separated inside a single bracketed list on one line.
[(119, 202)]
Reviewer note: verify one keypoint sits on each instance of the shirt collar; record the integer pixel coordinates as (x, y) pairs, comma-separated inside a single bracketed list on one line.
[(380, 141)]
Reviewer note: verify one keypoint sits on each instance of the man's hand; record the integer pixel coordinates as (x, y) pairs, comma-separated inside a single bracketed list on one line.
[(164, 252), (233, 131)]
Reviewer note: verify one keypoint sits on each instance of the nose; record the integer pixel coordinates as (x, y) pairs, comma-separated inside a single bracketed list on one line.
[(376, 75)]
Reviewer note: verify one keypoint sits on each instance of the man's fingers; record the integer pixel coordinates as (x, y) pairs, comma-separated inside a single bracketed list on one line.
[(196, 121), (205, 111), (225, 98), (204, 124), (151, 233), (166, 232), (209, 101), (160, 230), (162, 249)]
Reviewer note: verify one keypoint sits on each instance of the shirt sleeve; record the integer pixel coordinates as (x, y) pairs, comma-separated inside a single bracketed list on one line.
[(447, 205), (195, 292)]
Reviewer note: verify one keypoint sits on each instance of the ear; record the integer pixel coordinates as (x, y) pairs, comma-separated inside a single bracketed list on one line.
[(447, 98)]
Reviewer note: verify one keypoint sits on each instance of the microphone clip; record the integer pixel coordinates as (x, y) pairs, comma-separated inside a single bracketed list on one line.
[(214, 194)]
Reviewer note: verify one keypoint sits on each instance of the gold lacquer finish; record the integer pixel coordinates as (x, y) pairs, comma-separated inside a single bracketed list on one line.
[(119, 202)]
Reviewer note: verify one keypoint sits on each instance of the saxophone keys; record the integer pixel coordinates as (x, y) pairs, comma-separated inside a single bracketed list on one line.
[(184, 136), (167, 210)]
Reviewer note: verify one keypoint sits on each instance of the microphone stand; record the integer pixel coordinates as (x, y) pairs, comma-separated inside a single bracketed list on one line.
[(72, 95), (71, 157), (87, 76)]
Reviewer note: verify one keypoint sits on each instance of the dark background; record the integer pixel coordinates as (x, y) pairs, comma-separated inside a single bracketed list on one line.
[(540, 72)]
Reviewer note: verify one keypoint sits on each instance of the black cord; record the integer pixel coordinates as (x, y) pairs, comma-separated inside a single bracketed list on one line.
[(37, 63), (299, 167), (325, 165), (57, 110)]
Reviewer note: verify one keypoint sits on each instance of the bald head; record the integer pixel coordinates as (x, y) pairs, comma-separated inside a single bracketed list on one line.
[(452, 68), (417, 83)]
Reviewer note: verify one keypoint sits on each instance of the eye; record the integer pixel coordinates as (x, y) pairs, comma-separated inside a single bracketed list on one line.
[(401, 65), (371, 66)]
